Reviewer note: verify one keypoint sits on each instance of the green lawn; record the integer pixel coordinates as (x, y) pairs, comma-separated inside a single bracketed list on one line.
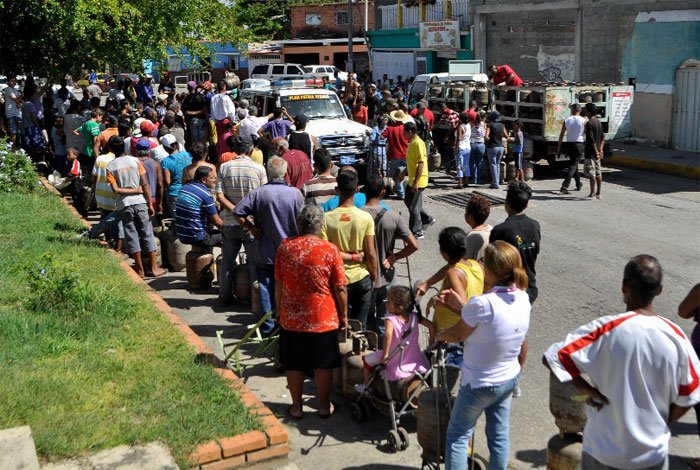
[(85, 359)]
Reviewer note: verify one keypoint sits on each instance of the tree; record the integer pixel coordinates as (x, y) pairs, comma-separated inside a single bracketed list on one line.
[(50, 38)]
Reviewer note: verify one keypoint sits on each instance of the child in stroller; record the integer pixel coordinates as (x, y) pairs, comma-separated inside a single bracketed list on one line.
[(400, 308), (400, 366)]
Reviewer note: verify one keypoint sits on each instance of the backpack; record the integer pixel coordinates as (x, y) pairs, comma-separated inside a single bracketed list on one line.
[(423, 128)]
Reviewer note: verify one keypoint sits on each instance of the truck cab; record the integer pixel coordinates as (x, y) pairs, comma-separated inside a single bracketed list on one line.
[(346, 140)]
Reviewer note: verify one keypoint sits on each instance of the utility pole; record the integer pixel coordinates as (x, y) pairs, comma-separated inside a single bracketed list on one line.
[(351, 25)]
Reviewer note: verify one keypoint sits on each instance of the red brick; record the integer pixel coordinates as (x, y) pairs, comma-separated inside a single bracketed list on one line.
[(269, 453), (276, 433), (248, 399), (204, 453), (260, 410), (225, 464), (238, 445)]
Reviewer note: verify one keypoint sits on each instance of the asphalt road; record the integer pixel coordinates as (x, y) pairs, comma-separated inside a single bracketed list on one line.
[(585, 245)]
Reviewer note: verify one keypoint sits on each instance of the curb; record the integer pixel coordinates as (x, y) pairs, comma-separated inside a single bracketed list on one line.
[(227, 452), (658, 167)]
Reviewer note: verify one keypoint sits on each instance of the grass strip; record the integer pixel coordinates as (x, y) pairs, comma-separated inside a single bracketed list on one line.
[(87, 361)]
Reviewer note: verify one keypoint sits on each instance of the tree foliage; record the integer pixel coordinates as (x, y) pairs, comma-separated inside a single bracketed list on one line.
[(53, 37)]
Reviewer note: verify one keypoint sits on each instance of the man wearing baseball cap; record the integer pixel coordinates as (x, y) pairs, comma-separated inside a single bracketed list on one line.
[(147, 129)]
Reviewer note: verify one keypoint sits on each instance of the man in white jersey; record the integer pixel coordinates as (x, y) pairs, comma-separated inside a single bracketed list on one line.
[(643, 375)]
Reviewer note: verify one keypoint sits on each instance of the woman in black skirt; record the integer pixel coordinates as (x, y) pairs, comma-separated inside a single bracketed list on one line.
[(311, 295)]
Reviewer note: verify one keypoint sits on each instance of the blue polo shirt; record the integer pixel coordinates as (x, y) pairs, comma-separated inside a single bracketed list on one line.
[(193, 207)]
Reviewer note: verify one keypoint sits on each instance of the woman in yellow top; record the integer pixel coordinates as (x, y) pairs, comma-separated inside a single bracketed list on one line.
[(464, 276)]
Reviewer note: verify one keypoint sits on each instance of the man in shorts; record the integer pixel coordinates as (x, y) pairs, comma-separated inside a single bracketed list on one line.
[(595, 139), (127, 176)]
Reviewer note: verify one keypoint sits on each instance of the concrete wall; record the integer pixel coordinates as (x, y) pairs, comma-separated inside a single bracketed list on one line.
[(328, 26), (651, 116)]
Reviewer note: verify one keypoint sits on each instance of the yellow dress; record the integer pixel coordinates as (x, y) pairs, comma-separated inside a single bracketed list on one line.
[(446, 318)]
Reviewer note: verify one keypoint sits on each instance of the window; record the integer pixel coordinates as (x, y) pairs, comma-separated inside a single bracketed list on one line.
[(278, 70), (294, 70), (341, 17), (260, 69), (233, 62)]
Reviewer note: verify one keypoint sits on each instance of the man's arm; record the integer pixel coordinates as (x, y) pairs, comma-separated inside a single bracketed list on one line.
[(146, 190), (96, 147), (216, 220), (371, 257), (159, 188), (410, 248), (419, 173), (599, 150), (224, 201)]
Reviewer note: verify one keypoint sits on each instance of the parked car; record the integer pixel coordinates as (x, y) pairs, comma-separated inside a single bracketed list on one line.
[(325, 71), (104, 81), (275, 72)]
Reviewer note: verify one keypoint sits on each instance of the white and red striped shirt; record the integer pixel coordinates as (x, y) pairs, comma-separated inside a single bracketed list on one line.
[(642, 364)]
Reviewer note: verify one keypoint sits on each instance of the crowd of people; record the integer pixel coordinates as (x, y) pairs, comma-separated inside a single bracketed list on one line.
[(323, 249)]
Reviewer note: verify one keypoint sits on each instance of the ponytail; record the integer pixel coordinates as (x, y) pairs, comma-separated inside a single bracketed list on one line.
[(520, 277)]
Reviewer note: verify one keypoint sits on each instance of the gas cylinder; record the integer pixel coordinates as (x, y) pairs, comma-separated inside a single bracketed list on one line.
[(485, 175), (255, 305), (352, 362), (232, 81), (434, 160), (177, 251), (510, 171), (345, 346), (564, 453), (502, 175), (241, 280), (198, 264), (529, 170), (569, 412), (432, 418)]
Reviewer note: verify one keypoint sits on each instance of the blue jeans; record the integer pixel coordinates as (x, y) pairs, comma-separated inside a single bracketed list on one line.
[(475, 158), (495, 154), (463, 170), (359, 298), (470, 403), (378, 311), (109, 221), (266, 280), (396, 166)]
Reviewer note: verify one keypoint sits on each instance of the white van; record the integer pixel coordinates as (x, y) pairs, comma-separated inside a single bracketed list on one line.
[(421, 82), (325, 71), (274, 72), (181, 80), (346, 140)]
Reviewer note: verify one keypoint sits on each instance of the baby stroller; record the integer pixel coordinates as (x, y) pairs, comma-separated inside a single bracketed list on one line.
[(395, 398)]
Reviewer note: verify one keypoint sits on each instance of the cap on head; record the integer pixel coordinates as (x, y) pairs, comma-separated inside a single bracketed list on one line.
[(143, 144), (146, 126), (168, 140)]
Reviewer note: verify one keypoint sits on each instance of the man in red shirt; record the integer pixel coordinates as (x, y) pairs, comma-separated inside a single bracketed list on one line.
[(422, 109), (396, 146), (299, 169), (505, 75), (472, 111)]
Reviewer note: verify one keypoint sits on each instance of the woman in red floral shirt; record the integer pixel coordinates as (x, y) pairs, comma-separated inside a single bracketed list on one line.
[(312, 303)]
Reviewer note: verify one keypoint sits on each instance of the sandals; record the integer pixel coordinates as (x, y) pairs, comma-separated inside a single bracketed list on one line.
[(295, 417), (331, 412)]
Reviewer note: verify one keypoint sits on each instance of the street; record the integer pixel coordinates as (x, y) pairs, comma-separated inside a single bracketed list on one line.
[(585, 245)]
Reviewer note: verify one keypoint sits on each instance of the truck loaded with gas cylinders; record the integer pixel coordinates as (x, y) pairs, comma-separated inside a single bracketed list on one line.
[(540, 106)]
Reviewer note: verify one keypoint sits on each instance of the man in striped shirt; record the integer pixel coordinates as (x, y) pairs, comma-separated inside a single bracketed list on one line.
[(195, 208), (321, 187), (237, 178), (643, 375)]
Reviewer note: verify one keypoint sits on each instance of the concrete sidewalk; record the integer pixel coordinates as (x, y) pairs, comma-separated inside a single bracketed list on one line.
[(639, 156)]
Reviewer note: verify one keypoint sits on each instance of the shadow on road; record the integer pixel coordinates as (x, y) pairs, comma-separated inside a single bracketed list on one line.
[(536, 457)]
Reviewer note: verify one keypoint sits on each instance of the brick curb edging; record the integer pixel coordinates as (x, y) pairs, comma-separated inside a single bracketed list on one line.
[(228, 452)]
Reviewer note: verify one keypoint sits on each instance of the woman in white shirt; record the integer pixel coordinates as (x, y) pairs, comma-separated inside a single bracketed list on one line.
[(462, 150), (478, 148), (493, 328)]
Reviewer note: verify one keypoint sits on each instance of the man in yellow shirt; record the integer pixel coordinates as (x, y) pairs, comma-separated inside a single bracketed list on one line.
[(352, 231), (417, 170)]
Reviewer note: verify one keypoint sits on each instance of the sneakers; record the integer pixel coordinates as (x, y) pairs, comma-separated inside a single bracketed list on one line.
[(578, 187), (590, 197), (419, 235), (84, 235), (360, 388), (564, 191), (493, 186), (597, 196), (428, 224)]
